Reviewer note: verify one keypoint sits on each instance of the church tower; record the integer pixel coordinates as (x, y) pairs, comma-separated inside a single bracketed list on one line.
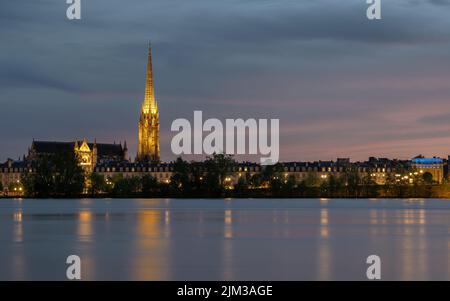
[(148, 148)]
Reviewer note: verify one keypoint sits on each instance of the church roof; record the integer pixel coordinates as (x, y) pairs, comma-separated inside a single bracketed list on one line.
[(51, 147), (104, 149)]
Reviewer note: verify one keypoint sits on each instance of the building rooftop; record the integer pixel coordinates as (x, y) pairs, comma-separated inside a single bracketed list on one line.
[(433, 160)]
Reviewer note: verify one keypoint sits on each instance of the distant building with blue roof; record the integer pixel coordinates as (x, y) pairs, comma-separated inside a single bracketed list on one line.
[(431, 161), (434, 166)]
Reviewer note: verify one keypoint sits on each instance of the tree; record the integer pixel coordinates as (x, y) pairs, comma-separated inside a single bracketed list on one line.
[(255, 181), (369, 185), (40, 182), (180, 179), (389, 185), (272, 172), (241, 187), (97, 183), (55, 175), (276, 186), (69, 176), (126, 186), (311, 179), (15, 187), (288, 186), (149, 185), (427, 178), (197, 177), (310, 186), (332, 187), (419, 189), (352, 181), (272, 177), (217, 168)]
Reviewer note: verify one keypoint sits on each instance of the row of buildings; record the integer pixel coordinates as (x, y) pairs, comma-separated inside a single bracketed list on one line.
[(112, 159)]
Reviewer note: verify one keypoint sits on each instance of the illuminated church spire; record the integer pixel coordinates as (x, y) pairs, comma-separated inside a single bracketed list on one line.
[(149, 104), (148, 148)]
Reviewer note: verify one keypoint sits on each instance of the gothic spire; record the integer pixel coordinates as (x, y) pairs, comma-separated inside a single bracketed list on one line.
[(149, 104), (148, 147)]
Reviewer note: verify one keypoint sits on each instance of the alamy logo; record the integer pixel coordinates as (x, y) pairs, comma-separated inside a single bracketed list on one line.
[(374, 270), (374, 10), (233, 135), (73, 272), (73, 12)]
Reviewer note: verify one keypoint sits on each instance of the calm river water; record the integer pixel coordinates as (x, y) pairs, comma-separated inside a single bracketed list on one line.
[(239, 239)]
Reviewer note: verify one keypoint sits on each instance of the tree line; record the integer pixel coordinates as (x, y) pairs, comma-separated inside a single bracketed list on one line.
[(61, 175)]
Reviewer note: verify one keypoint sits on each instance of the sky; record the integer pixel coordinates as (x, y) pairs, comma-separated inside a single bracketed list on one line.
[(341, 85)]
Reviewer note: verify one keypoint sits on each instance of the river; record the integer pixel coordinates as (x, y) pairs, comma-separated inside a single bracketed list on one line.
[(216, 239)]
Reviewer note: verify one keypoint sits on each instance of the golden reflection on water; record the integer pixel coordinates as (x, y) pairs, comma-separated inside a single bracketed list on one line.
[(85, 234), (151, 260), (324, 227), (228, 221), (422, 217), (17, 216), (411, 246), (227, 248), (18, 260), (18, 226), (413, 242), (324, 201), (324, 250), (374, 216), (85, 230), (377, 219), (167, 217)]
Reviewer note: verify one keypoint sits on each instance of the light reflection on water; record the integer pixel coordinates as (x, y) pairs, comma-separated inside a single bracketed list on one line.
[(324, 259), (166, 239), (151, 249)]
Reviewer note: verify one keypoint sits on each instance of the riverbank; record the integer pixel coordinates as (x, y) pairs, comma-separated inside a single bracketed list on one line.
[(363, 192)]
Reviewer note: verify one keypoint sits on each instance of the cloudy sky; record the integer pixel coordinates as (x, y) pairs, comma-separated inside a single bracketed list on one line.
[(341, 85)]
